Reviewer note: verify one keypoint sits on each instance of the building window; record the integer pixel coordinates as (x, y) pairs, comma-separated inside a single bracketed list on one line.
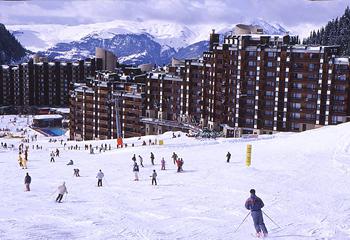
[(297, 85), (269, 93), (310, 116), (268, 113), (295, 115), (251, 63), (268, 122), (341, 77), (296, 105), (251, 54), (249, 121), (311, 67), (339, 87), (269, 64), (271, 54), (251, 73), (295, 126), (296, 95), (270, 74), (339, 98)]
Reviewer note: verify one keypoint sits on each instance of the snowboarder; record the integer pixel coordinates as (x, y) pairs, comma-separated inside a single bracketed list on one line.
[(136, 171), (152, 158), (99, 177), (27, 181), (163, 164), (154, 177), (141, 161), (61, 191), (228, 155), (254, 204), (70, 162)]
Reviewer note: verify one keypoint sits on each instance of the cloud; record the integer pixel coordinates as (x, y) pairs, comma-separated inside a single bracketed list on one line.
[(289, 13)]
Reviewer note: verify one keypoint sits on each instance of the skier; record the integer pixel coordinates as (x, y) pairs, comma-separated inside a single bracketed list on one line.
[(228, 155), (163, 164), (179, 163), (76, 172), (20, 160), (136, 171), (70, 162), (134, 158), (52, 157), (154, 177), (174, 157), (254, 204), (61, 191), (27, 181), (24, 163), (141, 161), (57, 152), (152, 158), (99, 176)]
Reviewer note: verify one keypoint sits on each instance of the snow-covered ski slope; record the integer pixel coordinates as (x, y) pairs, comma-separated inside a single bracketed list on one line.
[(303, 179)]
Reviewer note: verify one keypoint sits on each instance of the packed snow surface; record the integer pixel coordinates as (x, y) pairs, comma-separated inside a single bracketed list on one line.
[(302, 178)]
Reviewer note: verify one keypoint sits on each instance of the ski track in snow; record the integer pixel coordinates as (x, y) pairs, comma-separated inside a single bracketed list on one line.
[(297, 175)]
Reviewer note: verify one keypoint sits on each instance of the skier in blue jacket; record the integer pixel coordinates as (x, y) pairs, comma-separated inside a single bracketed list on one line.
[(255, 204)]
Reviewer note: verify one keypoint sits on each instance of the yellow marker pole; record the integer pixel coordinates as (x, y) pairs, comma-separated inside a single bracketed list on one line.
[(248, 160)]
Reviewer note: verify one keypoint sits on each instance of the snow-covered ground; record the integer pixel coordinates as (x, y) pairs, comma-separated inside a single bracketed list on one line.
[(303, 179)]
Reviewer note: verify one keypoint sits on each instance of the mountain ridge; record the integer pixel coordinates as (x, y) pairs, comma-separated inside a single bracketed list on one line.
[(160, 41)]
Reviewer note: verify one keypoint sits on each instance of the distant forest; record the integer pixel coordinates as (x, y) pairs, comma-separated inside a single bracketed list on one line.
[(10, 49), (336, 32)]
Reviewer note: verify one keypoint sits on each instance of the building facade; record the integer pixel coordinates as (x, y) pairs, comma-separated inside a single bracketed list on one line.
[(250, 83), (42, 83), (107, 106)]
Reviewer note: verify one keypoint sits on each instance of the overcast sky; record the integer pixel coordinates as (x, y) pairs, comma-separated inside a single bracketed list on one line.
[(289, 13)]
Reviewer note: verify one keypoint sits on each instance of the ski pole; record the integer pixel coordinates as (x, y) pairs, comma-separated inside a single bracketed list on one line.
[(271, 219), (242, 222)]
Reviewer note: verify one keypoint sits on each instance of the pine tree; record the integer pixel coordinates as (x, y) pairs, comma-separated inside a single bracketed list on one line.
[(336, 32)]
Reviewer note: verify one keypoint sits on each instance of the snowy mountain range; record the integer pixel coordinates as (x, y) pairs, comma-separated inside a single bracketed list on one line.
[(134, 42)]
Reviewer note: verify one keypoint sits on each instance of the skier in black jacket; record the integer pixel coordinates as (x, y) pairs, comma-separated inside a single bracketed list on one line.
[(27, 181)]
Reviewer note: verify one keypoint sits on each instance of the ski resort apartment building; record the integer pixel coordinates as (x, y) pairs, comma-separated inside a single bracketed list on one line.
[(42, 83), (107, 106), (249, 83), (269, 83)]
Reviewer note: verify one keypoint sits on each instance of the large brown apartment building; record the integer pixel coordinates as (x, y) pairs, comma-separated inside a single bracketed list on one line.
[(250, 83), (42, 83), (107, 106)]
